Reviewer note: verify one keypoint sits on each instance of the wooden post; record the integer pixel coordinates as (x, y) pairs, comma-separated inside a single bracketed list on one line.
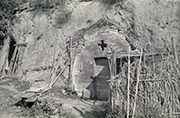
[(174, 50), (114, 61), (144, 59), (13, 58), (138, 75), (110, 86), (173, 106), (4, 65), (121, 64), (54, 81), (112, 75), (71, 65), (111, 97), (153, 65), (16, 60), (117, 94), (161, 67), (153, 84), (17, 55), (128, 92)]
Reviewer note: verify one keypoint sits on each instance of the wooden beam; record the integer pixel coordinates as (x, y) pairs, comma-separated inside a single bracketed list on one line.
[(174, 50), (144, 59), (36, 95), (21, 44), (120, 55), (156, 79), (13, 57), (175, 113), (138, 75), (71, 84), (128, 91), (54, 81), (117, 96), (16, 60), (114, 63), (110, 84), (162, 61), (153, 64)]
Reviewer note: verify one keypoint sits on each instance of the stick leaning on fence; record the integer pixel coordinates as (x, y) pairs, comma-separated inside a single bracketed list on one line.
[(35, 96), (138, 75)]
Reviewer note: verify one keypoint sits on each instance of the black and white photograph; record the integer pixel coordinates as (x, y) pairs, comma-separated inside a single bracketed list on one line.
[(89, 58)]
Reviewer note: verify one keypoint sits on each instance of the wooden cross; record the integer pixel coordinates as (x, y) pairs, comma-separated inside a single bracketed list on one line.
[(103, 45)]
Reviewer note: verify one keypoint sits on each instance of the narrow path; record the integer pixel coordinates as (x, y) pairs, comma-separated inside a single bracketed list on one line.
[(78, 106)]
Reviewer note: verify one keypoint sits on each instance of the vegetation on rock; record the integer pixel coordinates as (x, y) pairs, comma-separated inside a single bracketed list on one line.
[(150, 25)]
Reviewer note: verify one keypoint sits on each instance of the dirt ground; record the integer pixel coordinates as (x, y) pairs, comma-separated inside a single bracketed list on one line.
[(53, 105)]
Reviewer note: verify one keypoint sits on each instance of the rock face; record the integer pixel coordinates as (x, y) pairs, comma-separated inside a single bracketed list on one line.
[(157, 22), (43, 44), (149, 24)]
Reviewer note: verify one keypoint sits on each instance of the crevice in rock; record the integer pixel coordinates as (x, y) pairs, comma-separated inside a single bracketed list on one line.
[(11, 49), (1, 44)]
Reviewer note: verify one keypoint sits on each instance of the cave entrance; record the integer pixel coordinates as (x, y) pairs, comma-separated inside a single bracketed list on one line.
[(15, 55), (101, 89), (11, 49)]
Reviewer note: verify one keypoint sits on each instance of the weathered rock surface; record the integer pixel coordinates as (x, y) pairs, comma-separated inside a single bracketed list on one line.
[(150, 23)]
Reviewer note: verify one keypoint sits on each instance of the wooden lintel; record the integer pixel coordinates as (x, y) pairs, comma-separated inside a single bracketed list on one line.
[(21, 44), (114, 80), (138, 55), (15, 60), (155, 79), (175, 113), (111, 80)]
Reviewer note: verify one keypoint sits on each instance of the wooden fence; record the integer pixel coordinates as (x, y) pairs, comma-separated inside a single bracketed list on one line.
[(149, 85)]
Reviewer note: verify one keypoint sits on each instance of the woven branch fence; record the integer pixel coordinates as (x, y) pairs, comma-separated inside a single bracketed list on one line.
[(154, 87)]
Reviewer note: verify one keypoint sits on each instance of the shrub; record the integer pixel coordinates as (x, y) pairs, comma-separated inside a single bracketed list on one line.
[(46, 108), (148, 111)]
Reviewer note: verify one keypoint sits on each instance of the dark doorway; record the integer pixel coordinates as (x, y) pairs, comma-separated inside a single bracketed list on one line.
[(11, 49), (1, 43), (101, 89), (120, 62)]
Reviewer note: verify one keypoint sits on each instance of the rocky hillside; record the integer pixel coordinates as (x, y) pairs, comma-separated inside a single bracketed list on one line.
[(44, 31), (47, 25)]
